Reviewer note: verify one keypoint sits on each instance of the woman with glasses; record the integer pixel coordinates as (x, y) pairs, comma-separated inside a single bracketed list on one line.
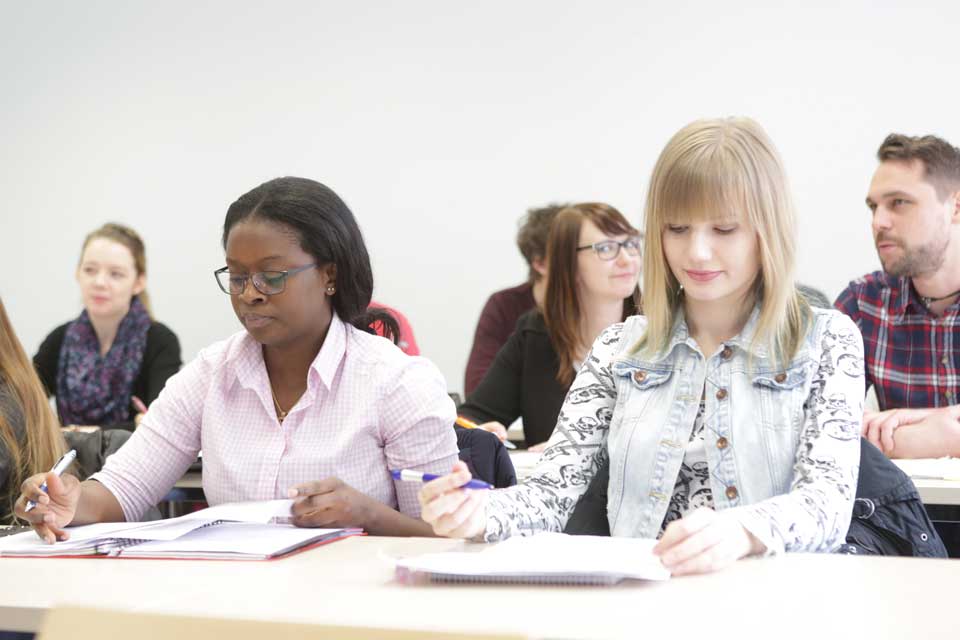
[(730, 413), (305, 402), (593, 265), (114, 351)]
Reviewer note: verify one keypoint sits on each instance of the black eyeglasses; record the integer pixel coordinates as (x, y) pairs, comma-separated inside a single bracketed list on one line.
[(269, 283), (610, 249)]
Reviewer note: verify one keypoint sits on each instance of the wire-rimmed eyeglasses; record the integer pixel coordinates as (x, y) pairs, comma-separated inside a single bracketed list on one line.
[(269, 283), (610, 249)]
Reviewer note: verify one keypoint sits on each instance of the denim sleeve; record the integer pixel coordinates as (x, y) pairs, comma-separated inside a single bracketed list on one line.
[(815, 514), (545, 500)]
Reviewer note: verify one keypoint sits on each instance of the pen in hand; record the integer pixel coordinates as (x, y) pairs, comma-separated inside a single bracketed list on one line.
[(417, 476), (58, 469)]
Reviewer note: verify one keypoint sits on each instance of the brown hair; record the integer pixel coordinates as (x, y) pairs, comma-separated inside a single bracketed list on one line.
[(533, 233), (41, 443), (941, 160), (561, 303), (124, 235)]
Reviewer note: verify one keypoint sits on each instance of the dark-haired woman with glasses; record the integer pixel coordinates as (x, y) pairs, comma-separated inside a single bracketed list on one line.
[(593, 266), (114, 351), (304, 403)]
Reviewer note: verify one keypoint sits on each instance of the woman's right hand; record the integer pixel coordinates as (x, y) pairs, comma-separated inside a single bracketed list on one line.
[(451, 511), (55, 509), (495, 428)]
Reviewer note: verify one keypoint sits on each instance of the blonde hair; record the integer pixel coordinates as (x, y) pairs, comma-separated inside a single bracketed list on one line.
[(41, 442), (723, 169), (124, 235)]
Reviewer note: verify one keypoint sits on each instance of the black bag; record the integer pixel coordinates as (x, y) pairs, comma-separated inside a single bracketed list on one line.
[(889, 518)]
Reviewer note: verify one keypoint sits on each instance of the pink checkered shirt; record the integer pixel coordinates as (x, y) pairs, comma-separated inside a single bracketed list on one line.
[(368, 408)]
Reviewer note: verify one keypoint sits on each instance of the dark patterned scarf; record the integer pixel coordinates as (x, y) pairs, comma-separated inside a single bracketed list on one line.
[(96, 390)]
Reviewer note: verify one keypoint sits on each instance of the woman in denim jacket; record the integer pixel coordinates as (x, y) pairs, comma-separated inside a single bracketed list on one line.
[(730, 412)]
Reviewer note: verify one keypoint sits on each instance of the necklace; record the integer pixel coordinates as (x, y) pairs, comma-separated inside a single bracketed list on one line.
[(281, 414), (926, 300)]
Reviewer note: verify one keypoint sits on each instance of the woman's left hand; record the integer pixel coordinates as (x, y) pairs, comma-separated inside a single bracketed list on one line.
[(330, 503), (704, 541)]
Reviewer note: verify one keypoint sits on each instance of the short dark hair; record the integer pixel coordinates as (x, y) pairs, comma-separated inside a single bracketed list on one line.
[(327, 230), (533, 233), (941, 160)]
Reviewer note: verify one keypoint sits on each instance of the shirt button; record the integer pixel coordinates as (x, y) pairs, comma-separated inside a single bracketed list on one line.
[(639, 376), (722, 443), (726, 353), (949, 396), (732, 492), (944, 360), (721, 394), (780, 377)]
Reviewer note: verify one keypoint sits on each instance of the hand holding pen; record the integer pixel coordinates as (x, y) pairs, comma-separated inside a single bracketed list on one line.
[(451, 511), (48, 501)]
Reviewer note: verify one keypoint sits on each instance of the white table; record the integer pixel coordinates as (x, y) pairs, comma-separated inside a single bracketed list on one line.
[(351, 583)]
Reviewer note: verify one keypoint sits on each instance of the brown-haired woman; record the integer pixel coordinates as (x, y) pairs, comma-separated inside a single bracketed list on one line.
[(593, 266), (114, 351), (30, 440)]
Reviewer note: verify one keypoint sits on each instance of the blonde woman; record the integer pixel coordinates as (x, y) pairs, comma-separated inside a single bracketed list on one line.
[(30, 440), (731, 412)]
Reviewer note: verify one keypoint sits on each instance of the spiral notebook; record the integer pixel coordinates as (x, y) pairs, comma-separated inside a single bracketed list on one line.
[(545, 558), (236, 531)]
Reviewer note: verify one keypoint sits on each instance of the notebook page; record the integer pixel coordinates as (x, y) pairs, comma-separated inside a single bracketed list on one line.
[(235, 539), (933, 468), (549, 554), (82, 537)]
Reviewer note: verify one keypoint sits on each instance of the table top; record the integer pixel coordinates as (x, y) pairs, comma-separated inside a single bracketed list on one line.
[(351, 582)]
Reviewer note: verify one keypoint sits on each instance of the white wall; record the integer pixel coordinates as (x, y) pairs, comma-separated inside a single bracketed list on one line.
[(438, 122)]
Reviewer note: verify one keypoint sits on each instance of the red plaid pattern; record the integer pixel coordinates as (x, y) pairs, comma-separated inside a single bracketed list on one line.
[(912, 356)]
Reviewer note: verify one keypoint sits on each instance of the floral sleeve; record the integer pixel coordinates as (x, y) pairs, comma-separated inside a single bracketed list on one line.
[(545, 500), (815, 514)]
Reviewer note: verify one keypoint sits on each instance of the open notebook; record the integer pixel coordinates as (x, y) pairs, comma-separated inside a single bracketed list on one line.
[(546, 558), (236, 531)]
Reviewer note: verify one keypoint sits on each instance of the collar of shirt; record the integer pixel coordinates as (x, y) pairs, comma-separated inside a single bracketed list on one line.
[(251, 372), (905, 296), (743, 340)]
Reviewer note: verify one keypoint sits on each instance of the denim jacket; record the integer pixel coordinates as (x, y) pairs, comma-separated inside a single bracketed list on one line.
[(782, 443)]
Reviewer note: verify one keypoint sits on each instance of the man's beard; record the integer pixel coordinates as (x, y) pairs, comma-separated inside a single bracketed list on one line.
[(917, 261)]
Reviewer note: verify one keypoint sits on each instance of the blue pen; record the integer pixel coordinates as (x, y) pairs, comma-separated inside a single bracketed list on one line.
[(58, 469), (416, 476)]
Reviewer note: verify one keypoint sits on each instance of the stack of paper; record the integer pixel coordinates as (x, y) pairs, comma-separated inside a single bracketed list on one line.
[(931, 468), (553, 558), (239, 531)]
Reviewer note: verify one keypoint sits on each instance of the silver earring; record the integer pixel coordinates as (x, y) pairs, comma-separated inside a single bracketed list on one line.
[(331, 290)]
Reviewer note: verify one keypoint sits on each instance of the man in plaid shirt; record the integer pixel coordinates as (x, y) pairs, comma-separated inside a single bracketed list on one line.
[(909, 313)]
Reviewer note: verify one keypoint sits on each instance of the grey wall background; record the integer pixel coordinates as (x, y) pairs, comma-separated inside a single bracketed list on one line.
[(438, 122)]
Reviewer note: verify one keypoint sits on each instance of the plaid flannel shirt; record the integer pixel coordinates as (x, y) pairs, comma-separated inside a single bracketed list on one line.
[(912, 357)]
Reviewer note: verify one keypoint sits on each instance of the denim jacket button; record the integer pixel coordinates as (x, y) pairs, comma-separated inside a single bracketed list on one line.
[(726, 353), (721, 394), (732, 493), (639, 376), (722, 443), (780, 377)]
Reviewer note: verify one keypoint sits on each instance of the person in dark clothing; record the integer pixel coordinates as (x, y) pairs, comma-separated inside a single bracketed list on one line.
[(504, 308), (593, 266), (114, 351)]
